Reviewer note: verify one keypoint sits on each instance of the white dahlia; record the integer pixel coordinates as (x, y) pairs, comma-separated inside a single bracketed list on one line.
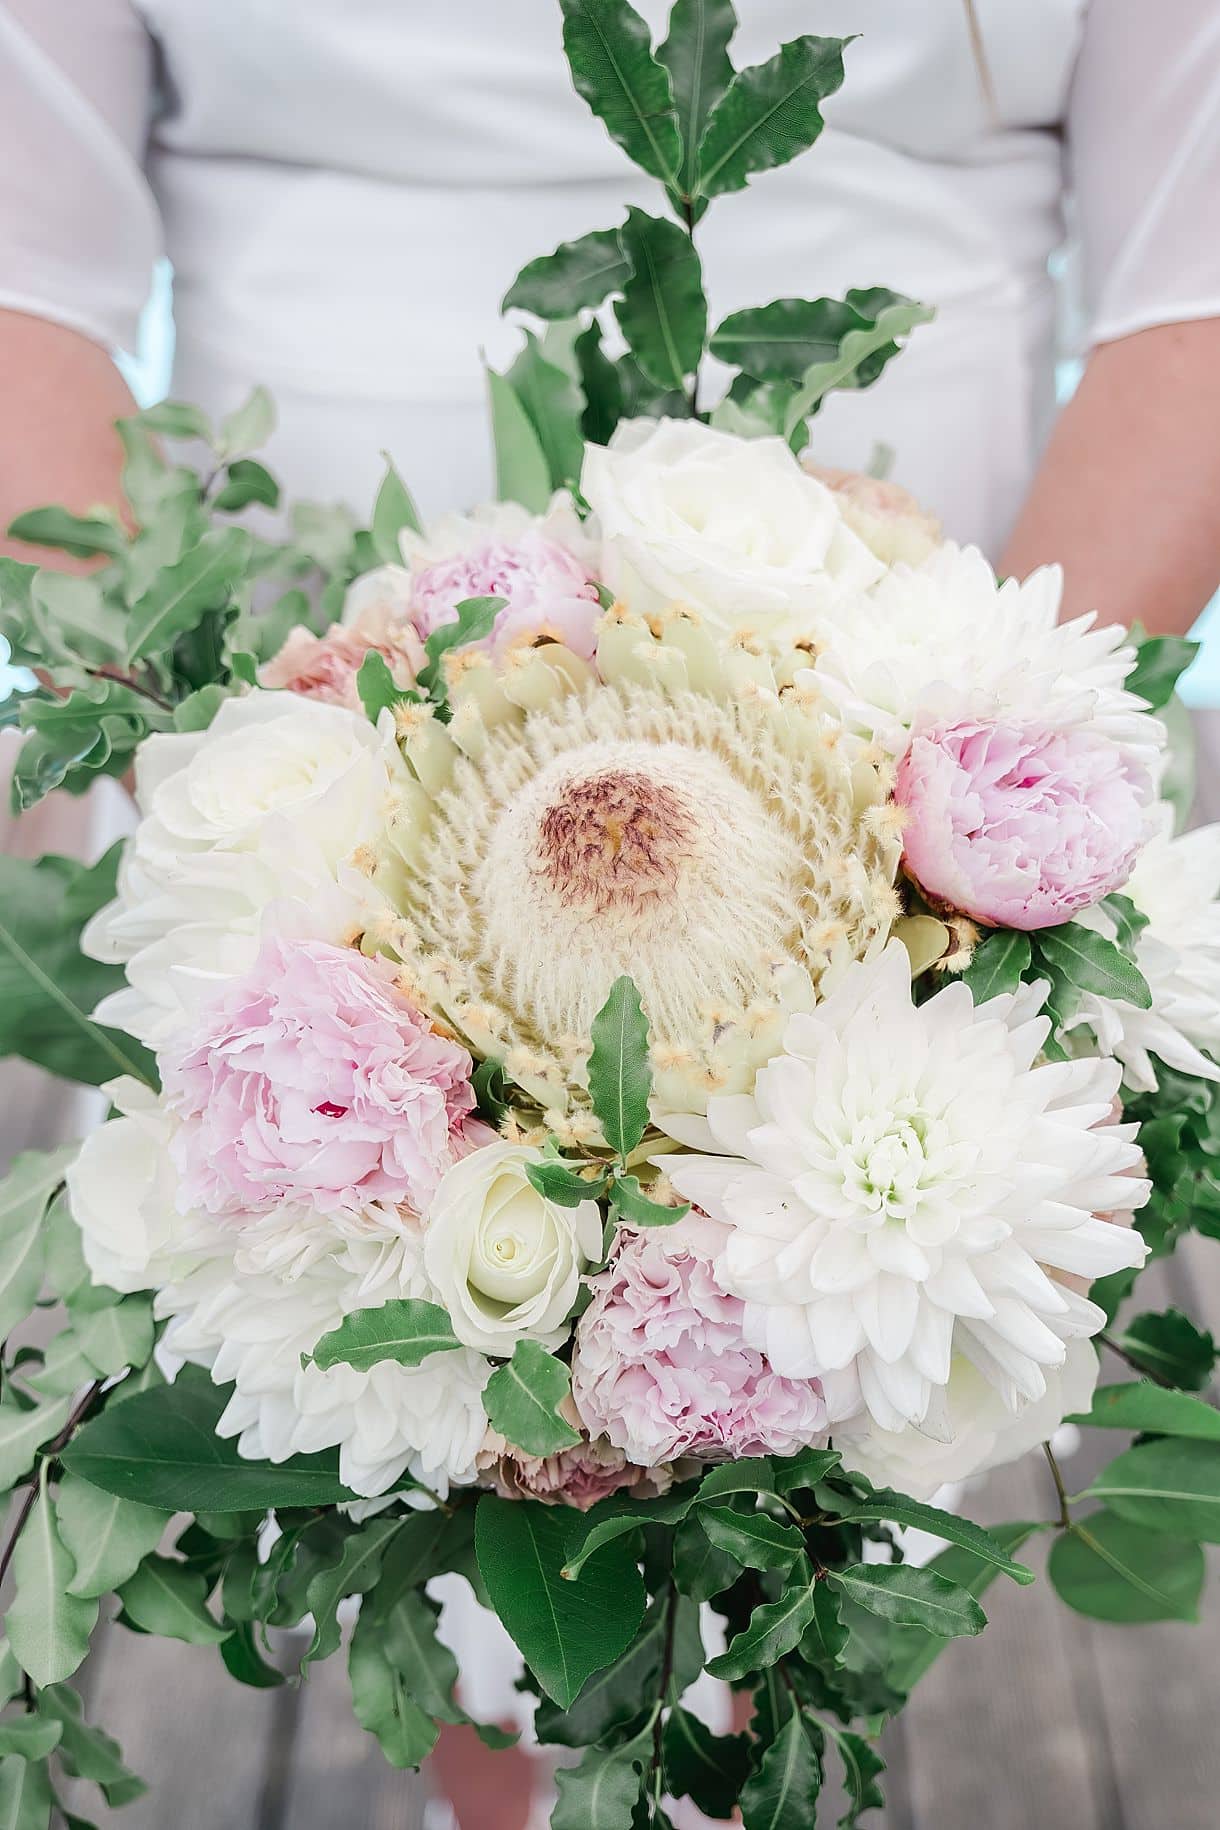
[(281, 799), (1176, 884), (945, 642), (903, 1185), (721, 842)]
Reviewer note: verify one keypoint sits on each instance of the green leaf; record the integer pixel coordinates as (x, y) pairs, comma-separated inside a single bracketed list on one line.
[(168, 1599), (160, 1447), (783, 340), (26, 1797), (612, 1518), (557, 1182), (176, 419), (1142, 1406), (408, 1633), (197, 710), (783, 1794), (603, 1791), (554, 405), (182, 594), (753, 1538), (700, 1570), (377, 686), (393, 511), (774, 1629), (861, 1765), (706, 1768), (23, 1432), (998, 966), (86, 1752), (578, 276), (696, 54), (911, 1597), (1129, 921), (107, 1538), (355, 1573), (245, 482), (620, 1078), (613, 69), (382, 1704), (243, 1660), (601, 383), (1170, 1485), (565, 1630), (522, 472), (633, 1204), (84, 536), (1108, 1568), (47, 985), (1169, 1346), (614, 1696), (862, 355), (24, 1194), (70, 741), (769, 113), (824, 1639), (117, 1336), (249, 426), (48, 1629), (1160, 662), (804, 1469), (755, 1474), (28, 1737), (1090, 962), (522, 1401), (899, 1510), (475, 619), (405, 1330), (662, 312)]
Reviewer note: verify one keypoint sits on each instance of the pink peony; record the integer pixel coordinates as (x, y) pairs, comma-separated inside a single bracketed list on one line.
[(325, 667), (1020, 825), (312, 1079), (548, 592), (661, 1367), (579, 1476)]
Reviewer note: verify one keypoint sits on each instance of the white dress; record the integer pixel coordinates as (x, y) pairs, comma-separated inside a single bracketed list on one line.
[(346, 190)]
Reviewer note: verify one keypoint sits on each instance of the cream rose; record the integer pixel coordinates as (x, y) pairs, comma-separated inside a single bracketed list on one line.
[(121, 1190), (731, 527), (886, 516), (505, 1261)]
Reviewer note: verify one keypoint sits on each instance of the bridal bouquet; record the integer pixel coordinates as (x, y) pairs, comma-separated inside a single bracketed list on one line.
[(639, 1020)]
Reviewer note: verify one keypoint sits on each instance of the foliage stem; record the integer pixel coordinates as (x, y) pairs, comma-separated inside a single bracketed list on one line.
[(1065, 1516), (1145, 1372), (48, 1455)]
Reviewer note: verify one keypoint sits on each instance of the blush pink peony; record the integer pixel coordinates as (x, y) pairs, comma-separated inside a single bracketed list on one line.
[(661, 1368), (547, 591), (325, 667), (313, 1080), (1020, 825)]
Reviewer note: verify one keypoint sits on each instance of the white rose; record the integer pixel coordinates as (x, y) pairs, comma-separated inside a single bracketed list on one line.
[(121, 1191), (505, 1261), (731, 527)]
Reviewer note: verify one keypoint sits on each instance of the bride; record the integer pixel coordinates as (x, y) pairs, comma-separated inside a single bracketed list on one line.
[(344, 193)]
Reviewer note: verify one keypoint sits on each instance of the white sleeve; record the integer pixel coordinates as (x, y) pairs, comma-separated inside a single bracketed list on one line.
[(1144, 148), (79, 230)]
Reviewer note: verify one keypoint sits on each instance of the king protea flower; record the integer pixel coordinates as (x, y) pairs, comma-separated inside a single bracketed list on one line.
[(902, 1186)]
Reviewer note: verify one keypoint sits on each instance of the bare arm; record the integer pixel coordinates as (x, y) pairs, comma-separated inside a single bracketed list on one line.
[(1127, 496), (61, 395)]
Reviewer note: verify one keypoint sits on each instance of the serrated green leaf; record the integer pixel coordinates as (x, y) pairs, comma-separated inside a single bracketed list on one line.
[(706, 1768), (355, 1573), (393, 511), (522, 1401), (620, 1077), (861, 1765), (634, 1205), (168, 1599), (769, 113), (856, 364), (522, 472), (602, 1792), (1142, 1406), (783, 1794), (911, 1597), (405, 1330), (774, 1629), (93, 730), (577, 277), (780, 342), (613, 69), (84, 536), (1090, 962), (179, 596), (249, 426), (998, 965), (48, 1629), (1110, 1568), (884, 1504), (696, 54), (1169, 1485), (753, 1538), (1160, 662), (244, 1662), (381, 1703), (565, 1630), (106, 1537), (474, 620), (662, 312), (86, 1752)]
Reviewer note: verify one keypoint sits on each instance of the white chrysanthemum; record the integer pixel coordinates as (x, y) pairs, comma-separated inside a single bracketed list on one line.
[(944, 642), (973, 1430), (902, 1182), (280, 799), (1176, 884), (723, 847)]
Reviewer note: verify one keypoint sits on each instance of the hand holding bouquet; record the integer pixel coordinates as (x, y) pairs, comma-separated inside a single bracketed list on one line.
[(629, 1015)]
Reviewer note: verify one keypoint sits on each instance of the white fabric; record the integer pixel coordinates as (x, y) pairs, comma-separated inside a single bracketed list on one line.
[(345, 192)]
